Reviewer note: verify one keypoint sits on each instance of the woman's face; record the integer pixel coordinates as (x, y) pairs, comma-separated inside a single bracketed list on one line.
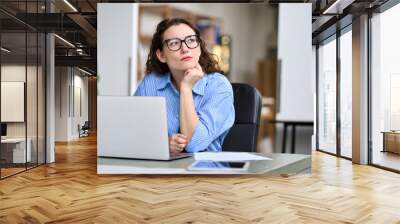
[(184, 58)]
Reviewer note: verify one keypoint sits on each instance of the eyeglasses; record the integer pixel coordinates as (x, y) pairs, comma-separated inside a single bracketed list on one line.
[(174, 44)]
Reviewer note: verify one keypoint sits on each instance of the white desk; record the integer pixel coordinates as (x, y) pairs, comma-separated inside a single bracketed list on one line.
[(287, 164), (19, 153)]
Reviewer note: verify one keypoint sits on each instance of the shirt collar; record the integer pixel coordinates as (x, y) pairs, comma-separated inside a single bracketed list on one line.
[(165, 79)]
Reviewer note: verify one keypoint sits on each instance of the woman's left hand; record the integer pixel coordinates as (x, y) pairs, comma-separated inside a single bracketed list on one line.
[(177, 143), (192, 75)]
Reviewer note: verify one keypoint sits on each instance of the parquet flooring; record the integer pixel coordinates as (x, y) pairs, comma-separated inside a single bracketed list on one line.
[(10, 171), (70, 191)]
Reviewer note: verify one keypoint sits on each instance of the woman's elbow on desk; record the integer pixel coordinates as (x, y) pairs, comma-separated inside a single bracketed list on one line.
[(203, 138)]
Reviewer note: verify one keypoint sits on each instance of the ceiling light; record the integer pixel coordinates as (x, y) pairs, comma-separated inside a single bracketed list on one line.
[(84, 71), (337, 7), (70, 5), (5, 50), (64, 40)]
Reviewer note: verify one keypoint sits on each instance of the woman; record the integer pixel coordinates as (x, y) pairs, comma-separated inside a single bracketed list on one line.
[(199, 100)]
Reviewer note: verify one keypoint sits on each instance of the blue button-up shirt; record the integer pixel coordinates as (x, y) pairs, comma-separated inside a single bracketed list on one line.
[(213, 99)]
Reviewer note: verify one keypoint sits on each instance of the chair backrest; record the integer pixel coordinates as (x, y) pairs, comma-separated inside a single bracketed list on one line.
[(242, 136), (86, 125)]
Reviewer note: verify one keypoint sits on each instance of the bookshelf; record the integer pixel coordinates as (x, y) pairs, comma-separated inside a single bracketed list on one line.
[(266, 84)]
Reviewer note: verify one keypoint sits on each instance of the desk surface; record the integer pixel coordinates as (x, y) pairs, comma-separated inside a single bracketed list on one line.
[(287, 164), (390, 132), (294, 122), (13, 140)]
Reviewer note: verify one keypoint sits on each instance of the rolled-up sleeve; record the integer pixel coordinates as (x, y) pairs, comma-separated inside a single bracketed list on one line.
[(216, 115)]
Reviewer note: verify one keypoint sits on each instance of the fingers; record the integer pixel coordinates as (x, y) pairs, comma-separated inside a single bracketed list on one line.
[(193, 75), (195, 71), (181, 139), (174, 148), (187, 71), (177, 143), (174, 151), (181, 135)]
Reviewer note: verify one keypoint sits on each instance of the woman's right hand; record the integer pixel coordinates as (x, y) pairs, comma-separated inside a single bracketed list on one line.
[(177, 143), (191, 76)]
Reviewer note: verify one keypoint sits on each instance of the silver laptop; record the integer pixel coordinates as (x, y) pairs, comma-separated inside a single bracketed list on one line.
[(133, 127)]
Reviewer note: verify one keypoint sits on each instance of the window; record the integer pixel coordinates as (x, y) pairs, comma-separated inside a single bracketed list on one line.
[(327, 96), (385, 88), (346, 93), (22, 77)]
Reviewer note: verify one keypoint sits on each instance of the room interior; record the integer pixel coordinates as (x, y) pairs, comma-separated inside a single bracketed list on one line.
[(343, 110)]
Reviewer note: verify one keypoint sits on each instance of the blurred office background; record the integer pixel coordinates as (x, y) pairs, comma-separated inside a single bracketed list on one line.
[(254, 44)]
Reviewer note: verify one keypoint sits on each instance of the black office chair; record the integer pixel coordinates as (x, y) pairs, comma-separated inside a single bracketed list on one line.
[(242, 137), (84, 130)]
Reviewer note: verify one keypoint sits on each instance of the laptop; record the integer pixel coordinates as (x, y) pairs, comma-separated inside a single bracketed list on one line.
[(133, 127)]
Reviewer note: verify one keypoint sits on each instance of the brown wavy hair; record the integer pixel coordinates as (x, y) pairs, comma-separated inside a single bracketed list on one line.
[(207, 61)]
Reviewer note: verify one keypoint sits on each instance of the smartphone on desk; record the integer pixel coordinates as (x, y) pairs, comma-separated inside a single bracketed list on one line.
[(206, 165)]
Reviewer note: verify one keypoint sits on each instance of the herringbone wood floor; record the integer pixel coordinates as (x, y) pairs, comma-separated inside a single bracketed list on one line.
[(70, 191)]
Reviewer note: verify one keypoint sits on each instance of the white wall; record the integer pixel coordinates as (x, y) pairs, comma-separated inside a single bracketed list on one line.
[(297, 74), (33, 126), (251, 26), (12, 101), (67, 80), (295, 54), (61, 103), (16, 72), (79, 117), (116, 48)]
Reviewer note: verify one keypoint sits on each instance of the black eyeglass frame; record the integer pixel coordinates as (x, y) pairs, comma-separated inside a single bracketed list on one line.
[(182, 41)]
